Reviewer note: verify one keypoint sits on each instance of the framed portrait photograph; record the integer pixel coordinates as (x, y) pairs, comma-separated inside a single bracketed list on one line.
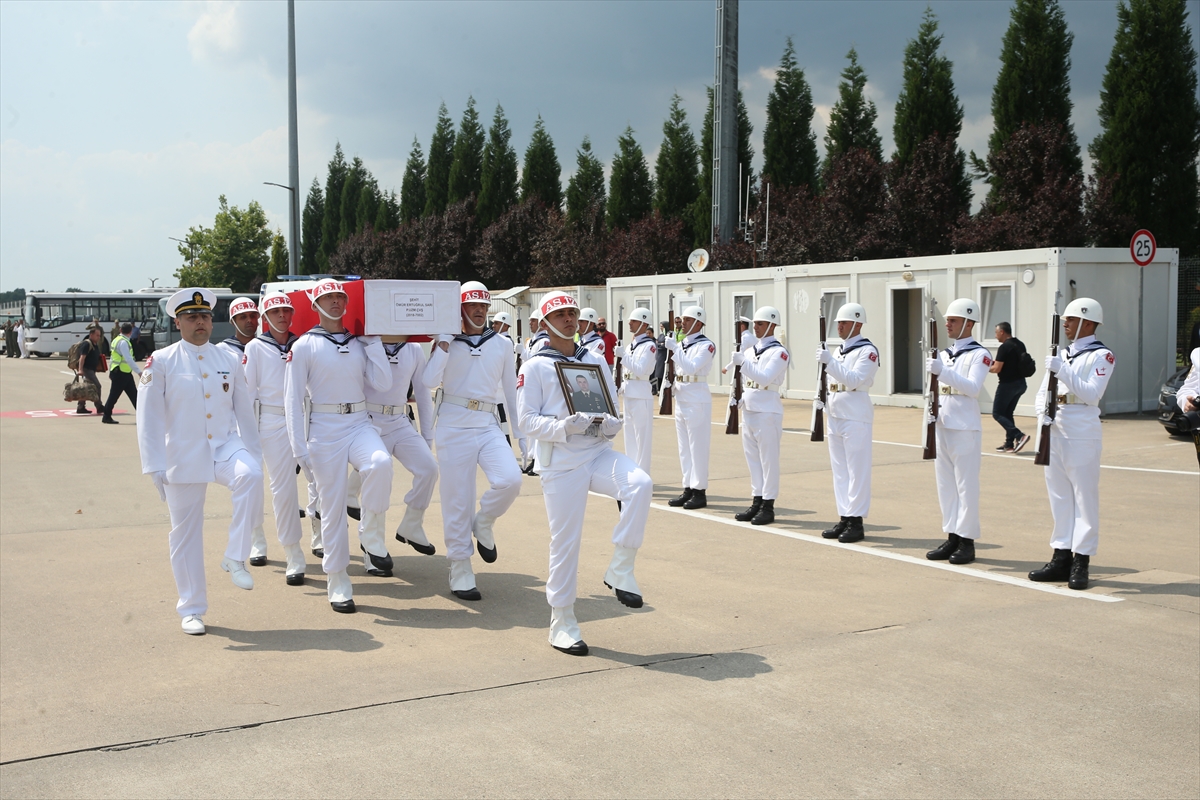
[(585, 389)]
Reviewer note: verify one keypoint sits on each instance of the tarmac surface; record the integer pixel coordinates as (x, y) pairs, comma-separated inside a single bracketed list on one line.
[(767, 662)]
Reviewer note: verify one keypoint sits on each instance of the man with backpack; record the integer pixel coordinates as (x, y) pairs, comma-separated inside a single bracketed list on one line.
[(1013, 365), (89, 357)]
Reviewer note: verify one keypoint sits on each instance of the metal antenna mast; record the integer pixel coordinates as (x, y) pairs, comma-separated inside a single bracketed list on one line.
[(725, 190), (293, 147)]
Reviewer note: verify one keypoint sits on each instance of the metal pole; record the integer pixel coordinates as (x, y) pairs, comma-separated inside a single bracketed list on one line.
[(725, 125), (293, 147), (1141, 331)]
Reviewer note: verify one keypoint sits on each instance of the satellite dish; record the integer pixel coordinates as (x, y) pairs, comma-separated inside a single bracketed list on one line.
[(698, 260)]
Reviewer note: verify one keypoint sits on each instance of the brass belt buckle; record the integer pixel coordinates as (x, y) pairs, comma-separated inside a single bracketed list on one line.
[(387, 410), (473, 405)]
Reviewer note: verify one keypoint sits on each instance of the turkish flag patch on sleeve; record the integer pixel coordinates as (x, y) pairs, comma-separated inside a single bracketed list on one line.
[(873, 356), (783, 356), (712, 349), (289, 358), (987, 362), (520, 379), (243, 360), (1107, 357)]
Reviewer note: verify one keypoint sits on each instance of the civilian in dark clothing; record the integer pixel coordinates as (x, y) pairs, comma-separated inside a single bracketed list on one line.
[(1012, 386), (660, 360), (90, 352)]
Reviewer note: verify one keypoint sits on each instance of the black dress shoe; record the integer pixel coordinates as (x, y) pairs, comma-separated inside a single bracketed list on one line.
[(302, 514), (295, 580), (853, 532), (467, 594), (109, 421), (676, 502), (344, 607), (1057, 569), (765, 515), (319, 552), (943, 551), (423, 549), (1079, 572), (258, 561), (577, 649), (965, 553), (489, 556), (379, 566), (697, 500), (355, 513), (749, 513), (836, 530), (627, 598)]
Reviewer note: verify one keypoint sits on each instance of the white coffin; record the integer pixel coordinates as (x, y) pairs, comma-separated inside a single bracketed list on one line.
[(408, 308)]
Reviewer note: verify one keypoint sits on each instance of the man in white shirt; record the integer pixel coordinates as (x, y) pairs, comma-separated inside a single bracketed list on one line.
[(195, 427), (1073, 474), (693, 406), (961, 370), (589, 337), (637, 363), (850, 373)]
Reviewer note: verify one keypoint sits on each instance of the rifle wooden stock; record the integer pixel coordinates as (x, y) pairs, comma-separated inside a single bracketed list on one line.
[(617, 362), (1042, 456), (934, 405), (667, 408), (518, 345), (731, 417), (818, 424)]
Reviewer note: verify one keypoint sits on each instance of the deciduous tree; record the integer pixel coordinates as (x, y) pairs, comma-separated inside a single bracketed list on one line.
[(234, 252)]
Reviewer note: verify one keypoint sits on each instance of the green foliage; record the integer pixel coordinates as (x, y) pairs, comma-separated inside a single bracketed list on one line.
[(585, 190), (387, 217), (702, 207), (310, 222), (498, 174), (1150, 123), (412, 187), (369, 202), (676, 173), (542, 174), (13, 296), (356, 177), (852, 120), (234, 252), (331, 220), (441, 156), (789, 144), (466, 171), (630, 189), (278, 265), (927, 103)]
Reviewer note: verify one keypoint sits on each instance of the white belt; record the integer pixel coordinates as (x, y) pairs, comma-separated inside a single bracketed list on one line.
[(390, 411), (629, 376), (339, 408), (276, 410), (469, 404), (691, 379), (840, 387), (945, 389), (1071, 400), (771, 388)]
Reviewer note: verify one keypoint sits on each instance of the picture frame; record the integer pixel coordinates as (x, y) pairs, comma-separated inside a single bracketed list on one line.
[(585, 389)]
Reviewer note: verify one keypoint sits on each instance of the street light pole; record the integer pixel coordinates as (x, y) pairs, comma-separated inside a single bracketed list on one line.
[(293, 146), (293, 243)]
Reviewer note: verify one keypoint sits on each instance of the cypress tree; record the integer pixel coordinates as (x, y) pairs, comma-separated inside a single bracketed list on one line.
[(356, 178), (542, 174), (369, 203), (441, 156), (498, 173), (789, 144), (412, 187), (927, 103), (387, 217), (676, 174), (310, 238), (466, 170), (630, 189), (278, 265), (1150, 123), (702, 207), (852, 120), (331, 220), (585, 190)]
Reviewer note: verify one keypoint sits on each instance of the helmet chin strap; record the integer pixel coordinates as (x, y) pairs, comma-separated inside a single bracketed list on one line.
[(554, 330), (962, 327), (274, 328), (321, 312), (467, 322)]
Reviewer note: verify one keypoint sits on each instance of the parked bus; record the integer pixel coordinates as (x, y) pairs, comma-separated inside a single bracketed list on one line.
[(54, 322), (166, 333)]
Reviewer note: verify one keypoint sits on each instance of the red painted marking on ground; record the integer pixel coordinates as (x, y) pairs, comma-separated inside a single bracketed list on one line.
[(48, 413)]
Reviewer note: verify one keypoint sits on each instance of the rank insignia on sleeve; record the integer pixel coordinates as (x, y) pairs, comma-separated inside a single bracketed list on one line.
[(147, 376)]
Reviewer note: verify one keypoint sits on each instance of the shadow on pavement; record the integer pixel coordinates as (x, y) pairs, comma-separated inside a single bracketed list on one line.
[(296, 640), (709, 667)]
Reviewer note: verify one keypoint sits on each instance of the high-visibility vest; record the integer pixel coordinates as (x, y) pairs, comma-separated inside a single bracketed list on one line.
[(118, 361)]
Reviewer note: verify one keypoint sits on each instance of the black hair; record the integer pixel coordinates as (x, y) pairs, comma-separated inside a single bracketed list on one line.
[(1004, 326)]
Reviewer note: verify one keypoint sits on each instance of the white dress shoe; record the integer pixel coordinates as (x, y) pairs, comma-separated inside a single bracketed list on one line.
[(193, 625), (564, 632), (237, 571)]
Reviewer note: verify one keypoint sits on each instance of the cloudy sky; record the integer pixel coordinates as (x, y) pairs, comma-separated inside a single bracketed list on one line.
[(121, 123)]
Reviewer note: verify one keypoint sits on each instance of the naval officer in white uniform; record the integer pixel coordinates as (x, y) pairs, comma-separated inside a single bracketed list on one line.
[(196, 426), (693, 406), (637, 364)]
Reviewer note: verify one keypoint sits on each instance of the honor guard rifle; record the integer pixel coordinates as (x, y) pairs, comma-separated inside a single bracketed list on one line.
[(932, 403), (1042, 456), (818, 420), (620, 337), (518, 345), (668, 408), (735, 392)]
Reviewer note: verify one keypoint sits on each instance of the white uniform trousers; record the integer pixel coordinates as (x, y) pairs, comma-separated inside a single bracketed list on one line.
[(761, 434), (1073, 483), (850, 458), (693, 428), (281, 468), (414, 455), (566, 492), (459, 451), (361, 448), (957, 470), (243, 476), (639, 426)]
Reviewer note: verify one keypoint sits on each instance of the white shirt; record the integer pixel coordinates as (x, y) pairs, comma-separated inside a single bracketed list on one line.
[(638, 366), (594, 343), (694, 358), (964, 368), (472, 368), (407, 363), (542, 409), (764, 364), (265, 364), (1191, 384), (854, 367), (499, 396), (193, 410), (1087, 367)]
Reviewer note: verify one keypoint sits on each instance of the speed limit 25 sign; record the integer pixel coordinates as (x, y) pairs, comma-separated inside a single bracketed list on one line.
[(1143, 247)]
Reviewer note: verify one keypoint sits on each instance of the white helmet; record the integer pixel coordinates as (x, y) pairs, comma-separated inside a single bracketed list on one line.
[(475, 292), (768, 314), (1085, 308), (325, 287), (642, 315), (851, 312), (275, 300), (963, 307), (503, 318), (589, 315), (696, 313), (242, 305), (552, 301)]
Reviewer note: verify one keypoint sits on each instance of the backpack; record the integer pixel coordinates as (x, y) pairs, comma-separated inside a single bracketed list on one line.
[(73, 356), (1028, 367)]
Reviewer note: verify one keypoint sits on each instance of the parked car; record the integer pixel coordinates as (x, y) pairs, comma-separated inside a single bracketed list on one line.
[(1169, 413)]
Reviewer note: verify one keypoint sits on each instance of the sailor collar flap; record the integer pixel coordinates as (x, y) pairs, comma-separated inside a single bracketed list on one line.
[(1096, 344), (554, 355), (475, 340), (232, 341), (966, 348), (343, 344), (700, 337), (282, 348), (758, 351)]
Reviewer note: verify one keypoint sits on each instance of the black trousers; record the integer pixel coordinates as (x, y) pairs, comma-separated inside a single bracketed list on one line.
[(1003, 406), (121, 382)]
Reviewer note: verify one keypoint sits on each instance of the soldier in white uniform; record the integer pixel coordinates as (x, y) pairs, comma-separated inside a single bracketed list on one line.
[(265, 362), (328, 370), (196, 426), (575, 456), (1073, 474), (538, 338), (469, 367), (501, 324), (1188, 396), (637, 364), (589, 337), (850, 374), (693, 406), (961, 369), (763, 368)]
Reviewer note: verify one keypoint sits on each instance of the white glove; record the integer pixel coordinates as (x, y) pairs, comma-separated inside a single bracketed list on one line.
[(929, 418), (934, 366), (818, 405), (666, 384), (1053, 363), (610, 426), (737, 358), (621, 352), (367, 341), (445, 337), (671, 344), (577, 423), (160, 480)]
